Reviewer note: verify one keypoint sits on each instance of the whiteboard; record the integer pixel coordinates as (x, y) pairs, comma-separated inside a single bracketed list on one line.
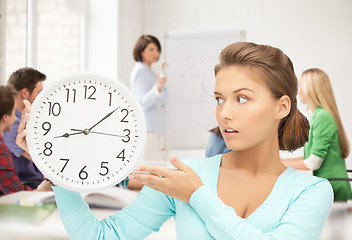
[(190, 59)]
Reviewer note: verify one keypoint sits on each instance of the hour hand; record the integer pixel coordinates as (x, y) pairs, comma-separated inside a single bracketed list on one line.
[(66, 135)]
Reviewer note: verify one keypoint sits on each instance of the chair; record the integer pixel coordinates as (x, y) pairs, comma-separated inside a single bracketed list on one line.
[(342, 179)]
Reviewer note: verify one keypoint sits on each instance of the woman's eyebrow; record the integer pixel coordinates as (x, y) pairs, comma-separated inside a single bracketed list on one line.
[(237, 90)]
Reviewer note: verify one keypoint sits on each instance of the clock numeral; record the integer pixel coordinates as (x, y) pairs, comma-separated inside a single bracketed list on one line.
[(83, 174), (127, 135), (110, 97), (46, 126), (123, 119), (68, 95), (105, 167), (47, 151), (121, 155), (54, 109), (64, 159), (92, 89)]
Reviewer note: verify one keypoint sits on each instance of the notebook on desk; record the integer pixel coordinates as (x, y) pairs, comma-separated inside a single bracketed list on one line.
[(14, 207)]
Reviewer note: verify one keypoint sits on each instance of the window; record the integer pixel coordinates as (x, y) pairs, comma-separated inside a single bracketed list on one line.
[(44, 35)]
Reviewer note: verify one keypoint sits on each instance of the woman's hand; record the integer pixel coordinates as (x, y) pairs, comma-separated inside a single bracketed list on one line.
[(22, 132), (161, 82), (179, 183)]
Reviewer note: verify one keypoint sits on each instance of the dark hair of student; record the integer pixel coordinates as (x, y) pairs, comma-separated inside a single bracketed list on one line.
[(141, 44), (7, 100), (279, 76), (216, 131), (26, 78)]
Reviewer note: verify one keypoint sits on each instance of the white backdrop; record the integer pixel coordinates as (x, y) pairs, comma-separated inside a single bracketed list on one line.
[(191, 57)]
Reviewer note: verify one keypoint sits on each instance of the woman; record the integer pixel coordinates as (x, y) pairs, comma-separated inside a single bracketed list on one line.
[(244, 194), (149, 89), (328, 146)]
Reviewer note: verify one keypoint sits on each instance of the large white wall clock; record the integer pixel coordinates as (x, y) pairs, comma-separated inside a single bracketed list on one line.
[(86, 132)]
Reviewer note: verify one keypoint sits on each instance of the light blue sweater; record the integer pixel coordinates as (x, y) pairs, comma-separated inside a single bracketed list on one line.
[(296, 208)]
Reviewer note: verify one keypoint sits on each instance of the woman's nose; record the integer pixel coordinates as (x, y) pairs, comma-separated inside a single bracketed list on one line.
[(227, 111)]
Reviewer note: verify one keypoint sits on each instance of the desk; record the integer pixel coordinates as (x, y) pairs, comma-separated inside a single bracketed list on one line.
[(52, 228), (338, 225)]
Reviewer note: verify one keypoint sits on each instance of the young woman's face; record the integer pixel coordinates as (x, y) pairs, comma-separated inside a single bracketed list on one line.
[(246, 110), (150, 54)]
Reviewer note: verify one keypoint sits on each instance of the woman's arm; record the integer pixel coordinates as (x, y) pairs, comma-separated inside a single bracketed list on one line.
[(136, 221), (145, 90), (297, 163)]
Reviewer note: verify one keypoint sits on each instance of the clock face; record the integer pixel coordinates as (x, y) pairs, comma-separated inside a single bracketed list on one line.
[(85, 132)]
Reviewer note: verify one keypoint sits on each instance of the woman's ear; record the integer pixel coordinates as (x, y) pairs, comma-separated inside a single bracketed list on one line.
[(284, 107)]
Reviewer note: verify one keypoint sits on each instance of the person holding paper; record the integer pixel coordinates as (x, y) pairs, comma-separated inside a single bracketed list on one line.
[(244, 194)]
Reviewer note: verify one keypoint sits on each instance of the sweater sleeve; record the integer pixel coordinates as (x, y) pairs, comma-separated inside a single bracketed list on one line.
[(303, 219), (147, 96), (324, 129), (136, 221)]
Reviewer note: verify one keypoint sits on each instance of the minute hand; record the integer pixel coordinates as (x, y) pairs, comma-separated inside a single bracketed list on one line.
[(108, 115)]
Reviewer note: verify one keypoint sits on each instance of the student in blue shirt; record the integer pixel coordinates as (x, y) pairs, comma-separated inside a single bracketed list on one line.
[(216, 143), (244, 194), (28, 82), (149, 89)]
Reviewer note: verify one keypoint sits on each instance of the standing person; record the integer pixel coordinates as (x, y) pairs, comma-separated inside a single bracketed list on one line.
[(328, 146), (244, 194), (216, 143), (28, 83), (149, 89), (9, 180)]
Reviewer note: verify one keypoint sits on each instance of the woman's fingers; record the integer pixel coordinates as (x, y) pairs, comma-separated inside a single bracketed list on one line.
[(178, 164), (154, 170), (21, 140), (21, 136)]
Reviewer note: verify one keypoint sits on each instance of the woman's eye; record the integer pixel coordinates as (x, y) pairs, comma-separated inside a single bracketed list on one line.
[(242, 99), (219, 100)]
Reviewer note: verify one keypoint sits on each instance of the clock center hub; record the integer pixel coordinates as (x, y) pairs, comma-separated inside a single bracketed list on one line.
[(86, 131)]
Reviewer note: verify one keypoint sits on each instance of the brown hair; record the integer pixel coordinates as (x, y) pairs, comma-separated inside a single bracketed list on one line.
[(318, 91), (277, 70), (26, 78), (7, 100), (141, 44)]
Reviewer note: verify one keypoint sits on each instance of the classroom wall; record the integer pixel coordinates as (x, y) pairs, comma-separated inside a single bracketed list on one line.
[(313, 33)]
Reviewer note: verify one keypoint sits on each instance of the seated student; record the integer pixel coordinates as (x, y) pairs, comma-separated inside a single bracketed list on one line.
[(216, 143), (328, 146), (244, 194), (9, 181), (28, 83)]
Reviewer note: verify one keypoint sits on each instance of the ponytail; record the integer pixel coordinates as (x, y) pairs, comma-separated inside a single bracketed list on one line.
[(293, 130)]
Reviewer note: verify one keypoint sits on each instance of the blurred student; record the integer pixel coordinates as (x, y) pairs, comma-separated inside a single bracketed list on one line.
[(328, 146), (216, 144), (9, 180), (28, 83), (149, 89)]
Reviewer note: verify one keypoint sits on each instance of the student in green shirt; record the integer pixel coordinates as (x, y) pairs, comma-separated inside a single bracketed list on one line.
[(328, 146)]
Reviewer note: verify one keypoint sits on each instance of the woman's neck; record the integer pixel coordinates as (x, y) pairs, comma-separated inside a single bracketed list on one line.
[(149, 65), (263, 158)]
